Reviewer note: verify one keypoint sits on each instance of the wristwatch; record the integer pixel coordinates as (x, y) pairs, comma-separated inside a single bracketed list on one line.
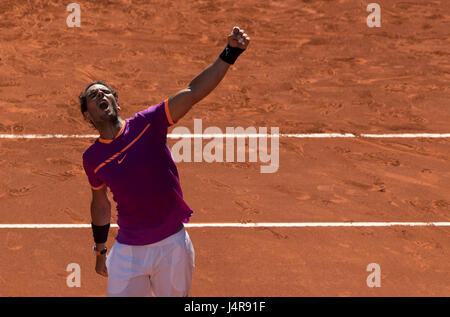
[(100, 252)]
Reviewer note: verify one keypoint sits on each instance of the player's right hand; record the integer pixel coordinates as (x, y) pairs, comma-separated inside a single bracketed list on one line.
[(100, 265)]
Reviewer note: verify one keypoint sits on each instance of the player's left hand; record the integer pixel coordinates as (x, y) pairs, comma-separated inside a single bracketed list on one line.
[(100, 265), (238, 38)]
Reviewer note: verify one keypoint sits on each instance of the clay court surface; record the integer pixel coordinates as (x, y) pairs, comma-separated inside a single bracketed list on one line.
[(311, 67)]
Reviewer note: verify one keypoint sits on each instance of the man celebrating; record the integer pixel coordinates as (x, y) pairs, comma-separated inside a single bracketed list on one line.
[(152, 254)]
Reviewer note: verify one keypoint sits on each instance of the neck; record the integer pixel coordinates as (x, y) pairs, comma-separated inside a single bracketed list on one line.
[(109, 130)]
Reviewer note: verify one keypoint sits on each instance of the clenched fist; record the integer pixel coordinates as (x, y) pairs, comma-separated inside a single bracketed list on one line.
[(238, 38)]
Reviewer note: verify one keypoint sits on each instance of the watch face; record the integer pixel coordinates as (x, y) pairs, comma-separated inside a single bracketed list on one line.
[(100, 252)]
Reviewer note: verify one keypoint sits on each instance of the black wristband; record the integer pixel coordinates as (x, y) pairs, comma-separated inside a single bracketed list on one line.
[(230, 54), (100, 233)]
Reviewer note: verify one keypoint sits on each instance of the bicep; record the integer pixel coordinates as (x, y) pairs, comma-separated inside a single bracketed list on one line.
[(100, 207), (180, 103), (100, 197)]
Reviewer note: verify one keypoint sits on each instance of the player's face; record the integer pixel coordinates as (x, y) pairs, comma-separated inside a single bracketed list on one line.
[(101, 104)]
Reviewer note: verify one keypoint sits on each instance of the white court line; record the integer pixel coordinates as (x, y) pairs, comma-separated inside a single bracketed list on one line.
[(408, 135), (243, 135), (246, 225)]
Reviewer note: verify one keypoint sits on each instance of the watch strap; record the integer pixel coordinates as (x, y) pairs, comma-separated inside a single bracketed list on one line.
[(100, 252)]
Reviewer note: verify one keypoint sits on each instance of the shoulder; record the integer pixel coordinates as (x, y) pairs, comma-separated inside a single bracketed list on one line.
[(151, 113), (89, 154)]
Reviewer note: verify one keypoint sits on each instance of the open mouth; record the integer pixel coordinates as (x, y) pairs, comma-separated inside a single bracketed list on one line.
[(103, 105)]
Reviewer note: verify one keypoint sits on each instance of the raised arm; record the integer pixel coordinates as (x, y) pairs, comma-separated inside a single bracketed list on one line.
[(210, 77)]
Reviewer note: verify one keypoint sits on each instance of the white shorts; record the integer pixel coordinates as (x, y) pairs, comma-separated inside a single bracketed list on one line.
[(162, 269)]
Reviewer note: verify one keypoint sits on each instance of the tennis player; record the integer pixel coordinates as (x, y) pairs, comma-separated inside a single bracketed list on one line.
[(153, 254)]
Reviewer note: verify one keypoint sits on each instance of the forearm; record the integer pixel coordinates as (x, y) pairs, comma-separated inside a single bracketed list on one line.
[(207, 80), (101, 215)]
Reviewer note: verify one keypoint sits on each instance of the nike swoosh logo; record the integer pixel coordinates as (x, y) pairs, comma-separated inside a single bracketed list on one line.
[(120, 161)]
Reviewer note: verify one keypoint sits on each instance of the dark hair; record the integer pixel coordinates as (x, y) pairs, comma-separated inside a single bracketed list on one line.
[(82, 96)]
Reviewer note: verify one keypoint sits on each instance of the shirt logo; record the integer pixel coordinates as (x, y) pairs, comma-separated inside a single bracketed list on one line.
[(121, 160)]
